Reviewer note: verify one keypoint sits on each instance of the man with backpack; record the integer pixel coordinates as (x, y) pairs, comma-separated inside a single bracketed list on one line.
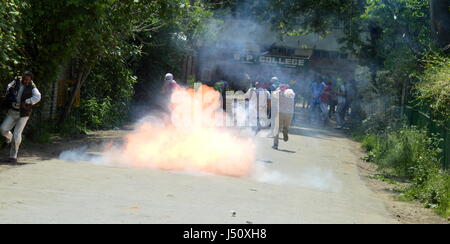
[(325, 99)]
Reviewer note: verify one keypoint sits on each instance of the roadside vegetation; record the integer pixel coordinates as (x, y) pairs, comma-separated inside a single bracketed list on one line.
[(410, 146), (412, 155)]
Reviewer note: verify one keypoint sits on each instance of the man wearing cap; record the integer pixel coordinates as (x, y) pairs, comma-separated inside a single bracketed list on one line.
[(20, 97), (169, 84), (274, 84)]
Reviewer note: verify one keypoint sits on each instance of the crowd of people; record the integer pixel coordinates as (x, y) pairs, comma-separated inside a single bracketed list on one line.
[(324, 98), (330, 98), (259, 96), (261, 111)]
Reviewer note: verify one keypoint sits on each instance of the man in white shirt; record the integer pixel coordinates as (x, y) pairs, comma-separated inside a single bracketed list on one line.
[(22, 94), (286, 112), (341, 93), (258, 106)]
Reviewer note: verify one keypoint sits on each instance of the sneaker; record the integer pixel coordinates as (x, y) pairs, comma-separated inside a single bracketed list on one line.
[(275, 147), (285, 136), (12, 160)]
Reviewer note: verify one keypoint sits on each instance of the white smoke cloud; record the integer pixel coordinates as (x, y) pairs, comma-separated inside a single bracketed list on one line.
[(82, 155), (309, 177)]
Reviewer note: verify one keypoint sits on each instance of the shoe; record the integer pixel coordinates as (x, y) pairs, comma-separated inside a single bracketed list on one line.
[(3, 145), (275, 147), (285, 136)]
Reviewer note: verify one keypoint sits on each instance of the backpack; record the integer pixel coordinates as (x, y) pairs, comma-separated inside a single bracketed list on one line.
[(325, 97)]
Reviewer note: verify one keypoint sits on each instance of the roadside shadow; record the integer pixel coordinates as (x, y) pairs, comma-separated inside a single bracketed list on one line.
[(265, 161), (322, 133), (286, 151), (18, 164)]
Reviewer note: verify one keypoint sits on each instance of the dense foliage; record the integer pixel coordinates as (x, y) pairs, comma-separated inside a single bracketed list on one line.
[(102, 42), (434, 86), (11, 56)]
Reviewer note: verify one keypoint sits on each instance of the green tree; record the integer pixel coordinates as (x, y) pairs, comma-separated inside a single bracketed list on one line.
[(11, 56)]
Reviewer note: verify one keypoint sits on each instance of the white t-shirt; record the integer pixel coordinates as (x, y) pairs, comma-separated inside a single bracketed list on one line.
[(287, 101), (340, 98)]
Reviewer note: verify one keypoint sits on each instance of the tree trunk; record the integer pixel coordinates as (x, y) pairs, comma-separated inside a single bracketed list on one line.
[(440, 22), (84, 73), (404, 96)]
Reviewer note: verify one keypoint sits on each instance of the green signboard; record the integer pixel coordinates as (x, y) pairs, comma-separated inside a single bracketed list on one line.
[(287, 62)]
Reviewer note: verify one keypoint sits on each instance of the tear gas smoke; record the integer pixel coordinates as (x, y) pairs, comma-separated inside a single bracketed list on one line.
[(310, 177), (187, 140)]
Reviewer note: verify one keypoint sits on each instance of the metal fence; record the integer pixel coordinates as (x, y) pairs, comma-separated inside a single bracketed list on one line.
[(421, 119)]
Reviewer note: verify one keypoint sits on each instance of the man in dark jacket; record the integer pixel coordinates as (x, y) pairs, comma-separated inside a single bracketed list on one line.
[(21, 95)]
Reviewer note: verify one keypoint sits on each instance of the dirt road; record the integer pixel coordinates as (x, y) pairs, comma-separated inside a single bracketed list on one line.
[(313, 178)]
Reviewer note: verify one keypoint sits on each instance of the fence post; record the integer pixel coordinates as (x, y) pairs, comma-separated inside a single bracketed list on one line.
[(446, 148)]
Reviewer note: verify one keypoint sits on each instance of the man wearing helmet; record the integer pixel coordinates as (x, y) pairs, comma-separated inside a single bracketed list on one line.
[(21, 95), (169, 84)]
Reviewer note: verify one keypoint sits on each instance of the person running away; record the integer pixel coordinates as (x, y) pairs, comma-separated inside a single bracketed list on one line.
[(285, 112), (22, 94)]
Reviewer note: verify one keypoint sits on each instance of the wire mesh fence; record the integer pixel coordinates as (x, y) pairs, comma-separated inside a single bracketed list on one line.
[(420, 117)]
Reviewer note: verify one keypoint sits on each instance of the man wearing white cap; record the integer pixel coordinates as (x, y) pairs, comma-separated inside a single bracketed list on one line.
[(169, 84), (274, 84)]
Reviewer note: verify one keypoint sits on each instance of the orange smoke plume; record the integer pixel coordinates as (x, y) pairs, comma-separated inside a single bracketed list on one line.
[(190, 140)]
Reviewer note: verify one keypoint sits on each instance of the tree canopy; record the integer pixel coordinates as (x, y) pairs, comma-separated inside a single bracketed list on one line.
[(118, 48)]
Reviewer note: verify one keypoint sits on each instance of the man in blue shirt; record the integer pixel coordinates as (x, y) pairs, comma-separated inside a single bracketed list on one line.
[(317, 89)]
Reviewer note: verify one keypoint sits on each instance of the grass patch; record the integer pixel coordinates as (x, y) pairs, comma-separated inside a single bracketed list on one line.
[(384, 178), (411, 155)]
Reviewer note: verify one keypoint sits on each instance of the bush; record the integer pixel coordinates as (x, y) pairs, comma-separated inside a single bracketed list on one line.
[(106, 97), (434, 191), (434, 86), (407, 152), (95, 112), (369, 142), (72, 127), (412, 154)]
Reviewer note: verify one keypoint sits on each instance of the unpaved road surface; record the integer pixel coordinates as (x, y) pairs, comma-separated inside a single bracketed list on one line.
[(313, 178)]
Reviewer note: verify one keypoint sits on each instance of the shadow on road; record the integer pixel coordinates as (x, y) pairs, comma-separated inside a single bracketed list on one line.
[(287, 151), (302, 126), (14, 164)]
